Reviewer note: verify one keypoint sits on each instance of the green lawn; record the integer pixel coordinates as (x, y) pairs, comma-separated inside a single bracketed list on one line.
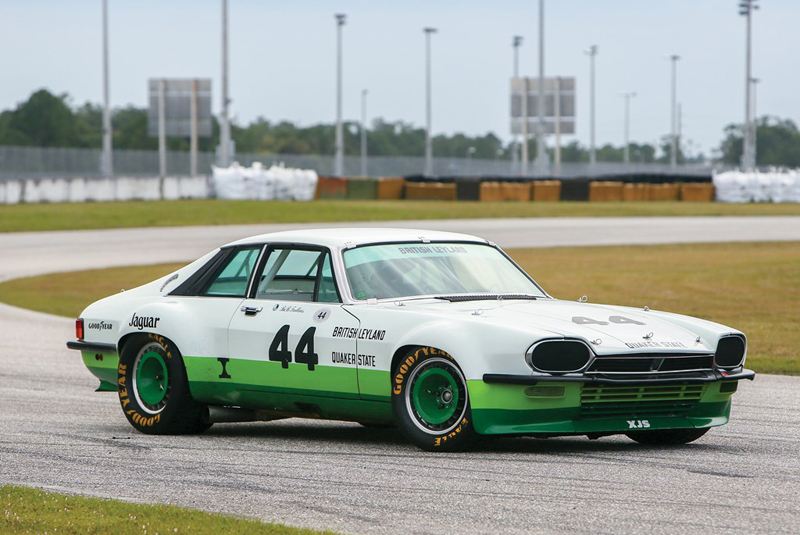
[(26, 511), (28, 217), (754, 287)]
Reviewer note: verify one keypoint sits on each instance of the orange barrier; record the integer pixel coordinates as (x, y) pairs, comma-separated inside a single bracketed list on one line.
[(546, 190), (605, 191), (331, 188), (703, 192), (663, 192), (490, 192), (635, 192), (390, 188), (505, 191), (421, 191)]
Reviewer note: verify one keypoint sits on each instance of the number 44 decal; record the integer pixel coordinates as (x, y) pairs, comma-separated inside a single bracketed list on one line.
[(303, 353)]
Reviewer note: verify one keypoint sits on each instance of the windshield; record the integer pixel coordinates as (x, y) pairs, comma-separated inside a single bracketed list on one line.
[(411, 269)]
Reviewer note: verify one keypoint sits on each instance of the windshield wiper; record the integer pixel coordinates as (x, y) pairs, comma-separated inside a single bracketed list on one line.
[(486, 297)]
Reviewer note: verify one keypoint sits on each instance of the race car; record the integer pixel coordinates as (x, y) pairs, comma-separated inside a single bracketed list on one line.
[(440, 334)]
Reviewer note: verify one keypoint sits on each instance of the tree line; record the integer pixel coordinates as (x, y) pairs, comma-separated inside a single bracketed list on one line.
[(48, 120)]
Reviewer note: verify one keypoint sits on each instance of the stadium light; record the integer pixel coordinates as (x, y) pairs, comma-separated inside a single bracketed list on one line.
[(591, 52), (673, 157), (746, 8), (516, 42), (339, 159), (627, 95), (108, 164), (364, 133), (428, 143)]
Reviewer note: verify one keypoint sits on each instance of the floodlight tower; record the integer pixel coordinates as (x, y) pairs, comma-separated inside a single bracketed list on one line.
[(746, 8), (592, 53), (428, 143), (364, 133), (107, 165), (224, 123), (516, 42), (540, 103), (339, 160), (673, 157), (627, 95)]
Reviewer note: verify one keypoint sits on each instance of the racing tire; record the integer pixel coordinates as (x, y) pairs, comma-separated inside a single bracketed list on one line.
[(153, 388), (431, 402), (667, 437)]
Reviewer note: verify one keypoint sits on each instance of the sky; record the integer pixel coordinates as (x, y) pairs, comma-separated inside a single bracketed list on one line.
[(282, 58)]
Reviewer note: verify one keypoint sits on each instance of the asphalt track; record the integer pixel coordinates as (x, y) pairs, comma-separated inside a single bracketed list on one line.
[(55, 432)]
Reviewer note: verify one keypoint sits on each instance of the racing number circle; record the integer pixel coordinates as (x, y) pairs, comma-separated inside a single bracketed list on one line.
[(436, 397), (151, 384)]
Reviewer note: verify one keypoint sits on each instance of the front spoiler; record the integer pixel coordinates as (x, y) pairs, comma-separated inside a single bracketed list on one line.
[(711, 376)]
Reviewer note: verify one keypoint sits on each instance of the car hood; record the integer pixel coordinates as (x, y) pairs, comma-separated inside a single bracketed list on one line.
[(608, 329)]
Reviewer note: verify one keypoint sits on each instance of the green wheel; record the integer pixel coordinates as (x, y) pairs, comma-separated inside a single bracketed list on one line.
[(431, 402), (153, 388)]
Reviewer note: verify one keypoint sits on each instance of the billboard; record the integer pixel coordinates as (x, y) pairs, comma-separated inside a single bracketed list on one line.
[(177, 98), (559, 90)]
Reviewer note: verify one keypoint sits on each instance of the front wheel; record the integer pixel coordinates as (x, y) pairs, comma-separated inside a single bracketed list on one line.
[(667, 437), (430, 401), (153, 388)]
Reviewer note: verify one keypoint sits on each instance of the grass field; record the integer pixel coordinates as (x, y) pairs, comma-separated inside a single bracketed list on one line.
[(754, 287), (76, 216), (27, 511)]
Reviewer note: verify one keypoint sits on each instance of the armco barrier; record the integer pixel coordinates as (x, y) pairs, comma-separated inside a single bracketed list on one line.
[(697, 192), (331, 188), (605, 191), (390, 188), (424, 191), (546, 190)]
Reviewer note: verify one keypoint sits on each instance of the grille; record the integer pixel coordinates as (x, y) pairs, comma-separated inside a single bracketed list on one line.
[(605, 401), (651, 363)]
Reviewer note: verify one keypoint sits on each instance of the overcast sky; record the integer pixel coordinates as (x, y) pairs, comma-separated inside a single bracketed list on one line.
[(282, 58)]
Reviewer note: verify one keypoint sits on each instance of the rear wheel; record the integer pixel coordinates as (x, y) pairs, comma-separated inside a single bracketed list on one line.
[(431, 402), (667, 437), (153, 388)]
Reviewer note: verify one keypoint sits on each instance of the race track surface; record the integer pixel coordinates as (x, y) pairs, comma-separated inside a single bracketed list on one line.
[(55, 432)]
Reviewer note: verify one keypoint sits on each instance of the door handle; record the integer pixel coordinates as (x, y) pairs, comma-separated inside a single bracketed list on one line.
[(251, 311)]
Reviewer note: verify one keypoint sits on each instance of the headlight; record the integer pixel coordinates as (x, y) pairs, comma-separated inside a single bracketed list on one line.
[(730, 352), (558, 356)]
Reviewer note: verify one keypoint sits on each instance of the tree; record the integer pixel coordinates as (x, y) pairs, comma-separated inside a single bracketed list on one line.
[(777, 143)]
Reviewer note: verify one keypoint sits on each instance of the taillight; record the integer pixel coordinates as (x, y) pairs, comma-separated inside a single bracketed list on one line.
[(79, 328)]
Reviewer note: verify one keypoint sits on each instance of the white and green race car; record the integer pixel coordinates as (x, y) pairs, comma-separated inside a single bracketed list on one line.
[(438, 333)]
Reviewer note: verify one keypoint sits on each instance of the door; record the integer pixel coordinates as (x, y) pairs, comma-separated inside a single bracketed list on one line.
[(292, 334)]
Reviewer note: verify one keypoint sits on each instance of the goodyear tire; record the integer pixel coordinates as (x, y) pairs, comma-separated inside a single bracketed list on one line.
[(430, 401), (667, 437), (153, 388)]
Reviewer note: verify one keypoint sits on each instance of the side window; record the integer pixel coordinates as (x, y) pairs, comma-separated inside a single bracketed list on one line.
[(327, 285), (296, 274), (232, 280)]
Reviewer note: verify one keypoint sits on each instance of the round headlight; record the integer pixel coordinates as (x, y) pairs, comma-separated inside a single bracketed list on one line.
[(559, 356), (730, 352)]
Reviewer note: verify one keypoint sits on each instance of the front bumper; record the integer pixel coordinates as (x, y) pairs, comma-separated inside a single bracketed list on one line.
[(577, 405)]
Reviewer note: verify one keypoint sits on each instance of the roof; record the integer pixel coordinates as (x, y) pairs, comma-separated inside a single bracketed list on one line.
[(338, 237)]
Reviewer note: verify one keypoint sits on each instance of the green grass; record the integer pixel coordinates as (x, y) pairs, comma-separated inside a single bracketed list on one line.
[(30, 217), (26, 511), (754, 287)]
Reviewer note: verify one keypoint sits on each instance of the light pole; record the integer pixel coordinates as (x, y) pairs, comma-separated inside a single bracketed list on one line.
[(540, 103), (108, 164), (338, 164), (364, 133), (673, 157), (746, 8), (755, 82), (470, 152), (627, 95), (224, 123), (428, 144), (592, 53), (516, 42)]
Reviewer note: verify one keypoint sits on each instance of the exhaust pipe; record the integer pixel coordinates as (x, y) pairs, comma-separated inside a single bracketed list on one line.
[(218, 415)]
